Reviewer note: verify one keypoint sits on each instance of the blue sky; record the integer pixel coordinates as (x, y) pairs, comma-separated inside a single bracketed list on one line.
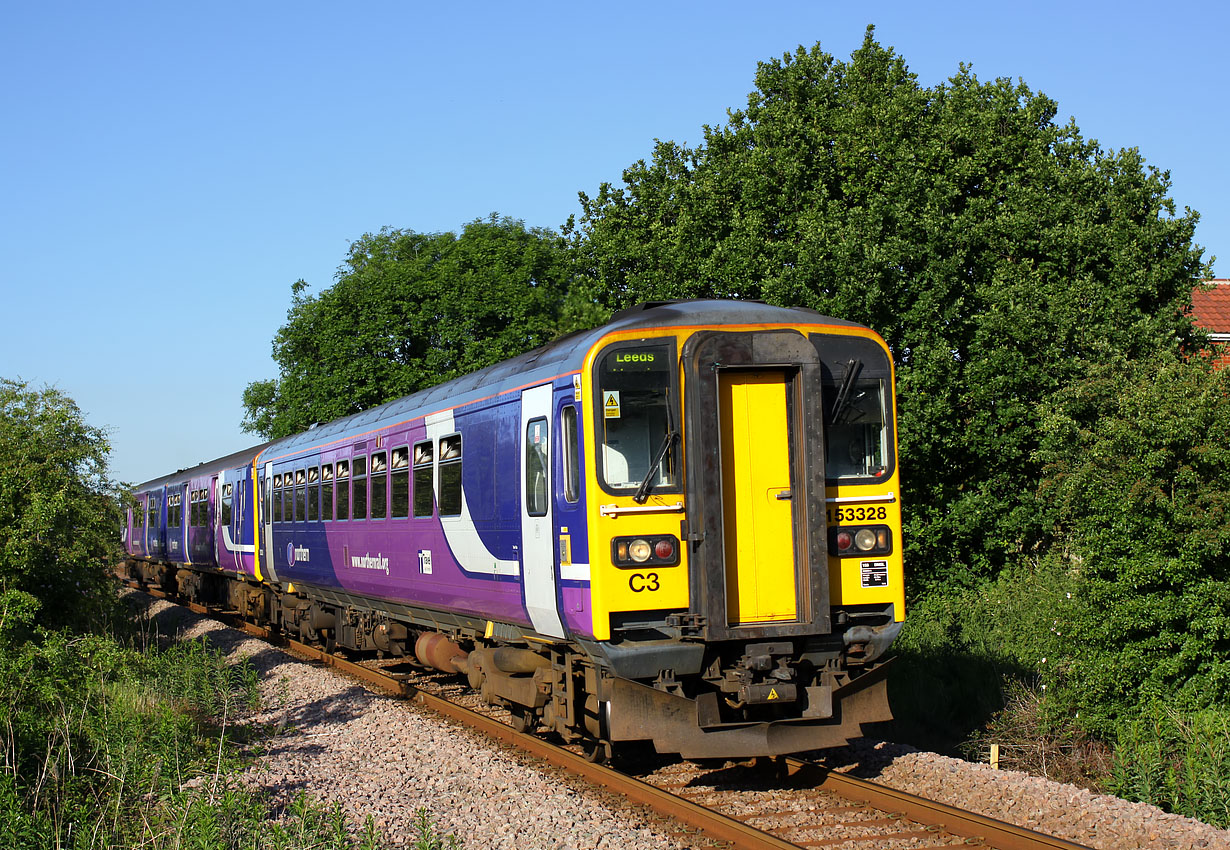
[(168, 170)]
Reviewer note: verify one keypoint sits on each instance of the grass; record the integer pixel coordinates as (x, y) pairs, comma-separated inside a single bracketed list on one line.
[(108, 741)]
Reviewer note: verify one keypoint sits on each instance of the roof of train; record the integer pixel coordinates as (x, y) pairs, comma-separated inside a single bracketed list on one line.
[(565, 354), (231, 461)]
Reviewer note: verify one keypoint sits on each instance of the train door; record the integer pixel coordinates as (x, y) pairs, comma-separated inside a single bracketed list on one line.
[(268, 572), (161, 522), (537, 521), (211, 517), (756, 496), (572, 551), (758, 565), (183, 515), (242, 488), (262, 518)]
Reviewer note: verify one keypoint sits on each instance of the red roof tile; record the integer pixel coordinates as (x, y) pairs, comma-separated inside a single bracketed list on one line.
[(1211, 306)]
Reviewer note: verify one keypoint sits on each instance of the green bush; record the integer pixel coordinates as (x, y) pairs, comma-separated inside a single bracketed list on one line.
[(104, 746), (1177, 761), (1137, 492), (960, 648)]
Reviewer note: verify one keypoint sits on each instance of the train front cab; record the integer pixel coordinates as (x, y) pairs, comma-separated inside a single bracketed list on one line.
[(744, 483)]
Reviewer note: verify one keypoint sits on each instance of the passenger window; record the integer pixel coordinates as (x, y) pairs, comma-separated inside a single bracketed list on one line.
[(571, 454), (358, 503), (399, 482), (300, 496), (326, 492), (450, 475), (313, 495), (536, 467), (380, 493), (343, 489), (227, 500), (423, 456)]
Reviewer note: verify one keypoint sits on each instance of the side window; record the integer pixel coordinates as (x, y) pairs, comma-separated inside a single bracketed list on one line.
[(399, 482), (536, 467), (152, 513), (227, 501), (277, 498), (326, 492), (423, 457), (450, 475), (380, 492), (358, 468), (343, 489), (313, 494), (300, 495), (571, 451)]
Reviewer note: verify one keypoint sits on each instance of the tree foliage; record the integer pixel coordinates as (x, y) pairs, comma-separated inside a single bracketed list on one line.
[(408, 311), (1137, 490), (997, 252), (59, 511)]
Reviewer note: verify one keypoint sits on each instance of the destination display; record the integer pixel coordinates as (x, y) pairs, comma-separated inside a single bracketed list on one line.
[(638, 360)]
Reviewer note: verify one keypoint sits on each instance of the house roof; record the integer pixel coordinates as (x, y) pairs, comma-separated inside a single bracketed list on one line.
[(1211, 306)]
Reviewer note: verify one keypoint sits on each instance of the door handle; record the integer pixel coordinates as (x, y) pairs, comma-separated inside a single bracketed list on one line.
[(784, 495)]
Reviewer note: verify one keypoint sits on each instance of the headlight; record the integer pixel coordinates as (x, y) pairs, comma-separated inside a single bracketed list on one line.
[(639, 551), (865, 539)]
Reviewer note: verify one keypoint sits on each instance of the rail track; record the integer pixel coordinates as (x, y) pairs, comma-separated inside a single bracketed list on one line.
[(782, 804)]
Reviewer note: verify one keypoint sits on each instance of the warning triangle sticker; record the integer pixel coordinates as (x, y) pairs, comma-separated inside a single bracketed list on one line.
[(773, 693)]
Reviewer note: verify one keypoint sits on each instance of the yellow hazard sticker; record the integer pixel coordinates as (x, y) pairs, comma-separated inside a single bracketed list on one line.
[(773, 693), (610, 404)]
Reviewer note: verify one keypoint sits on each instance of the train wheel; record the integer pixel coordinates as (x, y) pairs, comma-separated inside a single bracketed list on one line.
[(598, 752), (522, 719)]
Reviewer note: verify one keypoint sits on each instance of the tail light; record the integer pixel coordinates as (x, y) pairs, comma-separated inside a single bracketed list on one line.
[(867, 540), (658, 550)]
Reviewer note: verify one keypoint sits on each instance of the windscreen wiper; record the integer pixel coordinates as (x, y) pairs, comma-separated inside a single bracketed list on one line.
[(642, 492), (844, 394)]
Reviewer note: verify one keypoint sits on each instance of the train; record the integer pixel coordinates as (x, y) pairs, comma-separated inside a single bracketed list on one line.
[(682, 528)]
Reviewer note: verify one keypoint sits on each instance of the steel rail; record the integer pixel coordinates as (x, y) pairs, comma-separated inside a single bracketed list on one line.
[(976, 829), (996, 833)]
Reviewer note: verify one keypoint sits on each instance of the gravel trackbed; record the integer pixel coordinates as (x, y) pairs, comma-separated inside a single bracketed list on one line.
[(388, 758)]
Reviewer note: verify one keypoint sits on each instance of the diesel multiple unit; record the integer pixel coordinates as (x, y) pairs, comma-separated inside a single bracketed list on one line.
[(682, 527)]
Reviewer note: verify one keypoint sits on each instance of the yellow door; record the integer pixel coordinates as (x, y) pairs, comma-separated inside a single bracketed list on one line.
[(760, 571)]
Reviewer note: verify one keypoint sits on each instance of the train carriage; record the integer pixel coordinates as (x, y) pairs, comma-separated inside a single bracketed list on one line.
[(681, 527)]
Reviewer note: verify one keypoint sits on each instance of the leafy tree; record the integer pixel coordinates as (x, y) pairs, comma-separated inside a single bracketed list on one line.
[(997, 252), (408, 311), (59, 512)]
